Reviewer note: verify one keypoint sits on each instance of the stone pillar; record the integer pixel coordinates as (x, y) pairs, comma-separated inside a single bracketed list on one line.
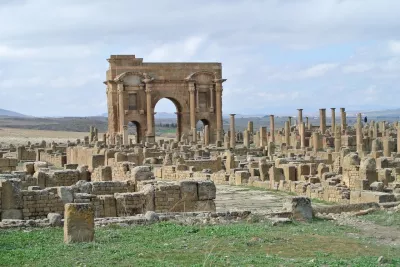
[(150, 135), (302, 135), (300, 116), (232, 131), (256, 140), (246, 138), (250, 127), (211, 98), (398, 139), (338, 138), (359, 137), (287, 133), (227, 143), (78, 222), (121, 107), (322, 120), (307, 123), (315, 136), (375, 130), (272, 127), (333, 120), (218, 107), (343, 118), (192, 105), (194, 135), (125, 135), (359, 120), (206, 135), (290, 122), (263, 136)]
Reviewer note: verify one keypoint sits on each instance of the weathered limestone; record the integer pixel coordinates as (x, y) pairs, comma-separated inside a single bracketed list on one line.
[(300, 116), (232, 131), (338, 139), (250, 127), (343, 118), (78, 223), (333, 120), (272, 127), (287, 133), (300, 208), (246, 138), (322, 120), (206, 135), (263, 136)]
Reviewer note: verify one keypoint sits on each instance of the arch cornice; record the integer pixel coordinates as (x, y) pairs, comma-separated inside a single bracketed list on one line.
[(120, 77), (194, 74)]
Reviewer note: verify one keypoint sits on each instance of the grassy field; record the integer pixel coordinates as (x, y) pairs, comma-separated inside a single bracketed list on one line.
[(321, 243), (384, 218)]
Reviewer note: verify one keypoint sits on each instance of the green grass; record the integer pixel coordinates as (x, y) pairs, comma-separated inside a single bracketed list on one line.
[(167, 244), (384, 218)]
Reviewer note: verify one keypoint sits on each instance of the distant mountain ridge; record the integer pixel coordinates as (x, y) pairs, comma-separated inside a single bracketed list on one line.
[(9, 113)]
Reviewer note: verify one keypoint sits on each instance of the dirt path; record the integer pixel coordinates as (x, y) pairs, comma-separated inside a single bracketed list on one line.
[(382, 234)]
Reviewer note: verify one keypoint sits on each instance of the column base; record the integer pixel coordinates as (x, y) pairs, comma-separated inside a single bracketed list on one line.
[(150, 139)]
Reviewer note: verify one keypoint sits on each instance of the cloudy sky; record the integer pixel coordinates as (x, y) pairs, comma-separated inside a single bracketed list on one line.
[(278, 55)]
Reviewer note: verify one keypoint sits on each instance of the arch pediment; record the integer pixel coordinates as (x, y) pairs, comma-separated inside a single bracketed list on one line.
[(131, 77), (202, 76)]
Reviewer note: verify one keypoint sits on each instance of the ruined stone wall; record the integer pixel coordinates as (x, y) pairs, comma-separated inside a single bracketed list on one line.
[(92, 157), (8, 164), (37, 204), (112, 187), (24, 154), (55, 159), (212, 164)]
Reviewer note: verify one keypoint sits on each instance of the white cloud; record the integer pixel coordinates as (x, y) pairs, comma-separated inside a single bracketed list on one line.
[(358, 68), (394, 46)]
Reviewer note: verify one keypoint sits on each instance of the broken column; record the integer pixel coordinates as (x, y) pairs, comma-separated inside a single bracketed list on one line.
[(227, 143), (263, 136), (250, 127), (246, 138), (322, 120), (343, 118), (300, 116), (315, 136), (302, 135), (333, 120), (78, 222), (206, 135), (232, 133), (338, 138), (272, 127), (359, 137), (287, 133)]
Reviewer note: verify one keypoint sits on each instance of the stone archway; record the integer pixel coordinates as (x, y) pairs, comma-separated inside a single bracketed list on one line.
[(134, 87), (136, 131), (178, 112)]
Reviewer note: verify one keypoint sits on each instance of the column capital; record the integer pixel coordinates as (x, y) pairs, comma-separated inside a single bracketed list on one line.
[(299, 109), (125, 127), (333, 108)]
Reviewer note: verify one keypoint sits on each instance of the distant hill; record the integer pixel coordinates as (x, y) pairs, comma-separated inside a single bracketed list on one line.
[(9, 113)]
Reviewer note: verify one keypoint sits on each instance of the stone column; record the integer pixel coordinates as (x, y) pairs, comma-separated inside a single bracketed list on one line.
[(359, 137), (218, 107), (302, 135), (300, 116), (287, 133), (194, 135), (290, 122), (322, 120), (343, 118), (272, 127), (121, 107), (315, 136), (338, 138), (398, 139), (211, 98), (359, 119), (232, 131), (250, 127), (227, 144), (149, 114), (206, 135), (192, 105), (125, 135), (333, 120), (263, 136), (246, 138)]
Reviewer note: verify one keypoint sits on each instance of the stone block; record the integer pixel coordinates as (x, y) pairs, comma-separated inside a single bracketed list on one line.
[(78, 223), (300, 208), (189, 190), (12, 214), (206, 190)]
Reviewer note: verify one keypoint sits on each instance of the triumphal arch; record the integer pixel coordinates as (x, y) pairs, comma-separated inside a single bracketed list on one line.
[(134, 87)]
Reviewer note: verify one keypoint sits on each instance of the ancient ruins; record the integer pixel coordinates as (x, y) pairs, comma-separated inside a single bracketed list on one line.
[(120, 177)]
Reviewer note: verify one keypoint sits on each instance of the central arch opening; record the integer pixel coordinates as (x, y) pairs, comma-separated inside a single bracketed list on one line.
[(200, 128), (167, 119)]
